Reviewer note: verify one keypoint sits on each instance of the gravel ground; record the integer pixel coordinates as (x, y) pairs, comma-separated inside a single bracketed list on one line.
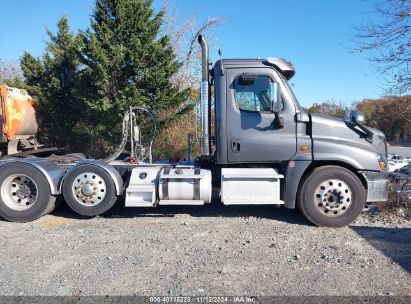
[(211, 250)]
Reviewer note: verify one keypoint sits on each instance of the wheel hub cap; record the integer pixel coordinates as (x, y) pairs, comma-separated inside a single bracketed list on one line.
[(89, 189), (19, 192), (333, 197)]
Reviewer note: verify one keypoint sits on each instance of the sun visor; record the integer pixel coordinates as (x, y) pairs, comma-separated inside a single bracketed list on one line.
[(283, 66)]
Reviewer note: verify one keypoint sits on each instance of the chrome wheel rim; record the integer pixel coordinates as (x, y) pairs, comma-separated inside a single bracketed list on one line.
[(89, 189), (333, 197), (19, 192)]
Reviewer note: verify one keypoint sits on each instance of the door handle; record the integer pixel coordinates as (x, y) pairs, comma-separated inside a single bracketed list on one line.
[(235, 146), (278, 120)]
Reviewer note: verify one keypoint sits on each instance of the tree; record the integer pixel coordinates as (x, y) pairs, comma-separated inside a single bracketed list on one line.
[(391, 114), (183, 31), (128, 63), (53, 81), (330, 108), (9, 71), (388, 43)]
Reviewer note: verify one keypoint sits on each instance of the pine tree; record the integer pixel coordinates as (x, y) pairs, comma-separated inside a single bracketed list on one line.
[(127, 63), (53, 80)]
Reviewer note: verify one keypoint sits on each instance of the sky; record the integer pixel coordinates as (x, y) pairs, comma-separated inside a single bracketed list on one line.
[(313, 34)]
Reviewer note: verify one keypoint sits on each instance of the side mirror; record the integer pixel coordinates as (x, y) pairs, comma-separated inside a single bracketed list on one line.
[(357, 117), (275, 96), (275, 103)]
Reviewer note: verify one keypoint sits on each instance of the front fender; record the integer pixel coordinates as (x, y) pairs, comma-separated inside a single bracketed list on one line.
[(358, 156)]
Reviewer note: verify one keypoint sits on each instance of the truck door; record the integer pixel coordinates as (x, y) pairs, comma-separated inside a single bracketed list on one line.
[(253, 132)]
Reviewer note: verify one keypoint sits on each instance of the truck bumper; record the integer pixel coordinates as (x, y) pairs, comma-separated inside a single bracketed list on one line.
[(377, 184)]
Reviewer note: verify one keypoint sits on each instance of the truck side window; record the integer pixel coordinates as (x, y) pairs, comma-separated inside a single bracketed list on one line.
[(253, 95)]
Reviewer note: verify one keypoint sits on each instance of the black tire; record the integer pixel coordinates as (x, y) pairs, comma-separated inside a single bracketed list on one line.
[(43, 203), (344, 209), (75, 203), (51, 205), (55, 201)]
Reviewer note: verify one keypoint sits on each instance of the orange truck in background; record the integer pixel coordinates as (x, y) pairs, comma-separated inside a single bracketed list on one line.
[(18, 121)]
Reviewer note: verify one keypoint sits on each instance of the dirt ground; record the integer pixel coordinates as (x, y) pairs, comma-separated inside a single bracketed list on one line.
[(210, 250)]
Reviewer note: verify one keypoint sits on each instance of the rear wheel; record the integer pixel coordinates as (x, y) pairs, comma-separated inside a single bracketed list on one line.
[(24, 193), (331, 196), (89, 190), (54, 202)]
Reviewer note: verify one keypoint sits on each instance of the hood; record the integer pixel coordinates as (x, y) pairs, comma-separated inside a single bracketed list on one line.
[(349, 133)]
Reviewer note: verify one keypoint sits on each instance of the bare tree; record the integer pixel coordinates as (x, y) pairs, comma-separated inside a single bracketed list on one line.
[(389, 43), (183, 32), (9, 70)]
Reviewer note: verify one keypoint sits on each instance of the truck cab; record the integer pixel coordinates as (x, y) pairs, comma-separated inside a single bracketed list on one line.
[(259, 123), (255, 111)]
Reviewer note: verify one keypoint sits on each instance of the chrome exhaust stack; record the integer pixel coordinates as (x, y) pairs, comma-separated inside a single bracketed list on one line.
[(205, 101)]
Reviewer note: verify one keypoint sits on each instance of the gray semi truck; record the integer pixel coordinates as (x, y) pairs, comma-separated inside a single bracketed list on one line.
[(262, 149)]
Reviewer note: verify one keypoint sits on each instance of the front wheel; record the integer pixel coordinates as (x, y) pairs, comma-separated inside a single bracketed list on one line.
[(331, 196)]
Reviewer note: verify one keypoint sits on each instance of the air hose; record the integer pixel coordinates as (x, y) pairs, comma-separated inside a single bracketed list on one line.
[(125, 133)]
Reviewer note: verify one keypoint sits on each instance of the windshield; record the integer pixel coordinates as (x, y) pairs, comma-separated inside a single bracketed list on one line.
[(291, 92)]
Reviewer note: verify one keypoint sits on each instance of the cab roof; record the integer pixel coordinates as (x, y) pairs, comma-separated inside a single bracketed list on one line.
[(283, 66)]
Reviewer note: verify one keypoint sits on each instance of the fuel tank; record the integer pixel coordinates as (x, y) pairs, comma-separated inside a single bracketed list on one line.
[(17, 112)]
